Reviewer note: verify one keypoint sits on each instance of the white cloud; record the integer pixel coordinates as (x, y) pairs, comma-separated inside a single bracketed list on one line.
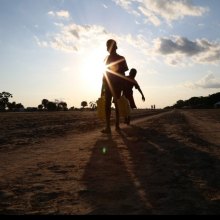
[(58, 24), (139, 42), (207, 82), (126, 4), (74, 38), (63, 14), (175, 51), (157, 11), (78, 38), (51, 13), (104, 6), (42, 44), (60, 14)]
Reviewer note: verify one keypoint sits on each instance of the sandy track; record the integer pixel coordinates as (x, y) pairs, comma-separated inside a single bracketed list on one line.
[(155, 166)]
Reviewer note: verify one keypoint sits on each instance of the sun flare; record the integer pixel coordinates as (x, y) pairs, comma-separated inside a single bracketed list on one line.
[(93, 68)]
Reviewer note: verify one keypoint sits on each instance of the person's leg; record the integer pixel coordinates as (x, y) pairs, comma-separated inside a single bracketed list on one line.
[(108, 98), (117, 116), (126, 117)]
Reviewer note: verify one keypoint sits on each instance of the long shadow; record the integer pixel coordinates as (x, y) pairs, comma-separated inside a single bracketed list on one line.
[(176, 178), (110, 189)]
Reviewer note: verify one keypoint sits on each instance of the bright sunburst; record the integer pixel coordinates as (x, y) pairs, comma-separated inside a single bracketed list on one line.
[(93, 68)]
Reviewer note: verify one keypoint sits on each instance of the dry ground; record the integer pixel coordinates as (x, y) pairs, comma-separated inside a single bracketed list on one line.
[(59, 163)]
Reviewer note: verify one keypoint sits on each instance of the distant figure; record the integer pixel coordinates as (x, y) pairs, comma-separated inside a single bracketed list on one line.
[(130, 82), (153, 107), (113, 81)]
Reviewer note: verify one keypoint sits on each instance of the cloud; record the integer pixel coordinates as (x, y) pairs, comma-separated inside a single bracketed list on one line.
[(207, 82), (139, 42), (63, 14), (51, 13), (60, 14), (180, 45), (105, 6), (126, 4), (77, 38), (40, 43), (175, 50), (157, 11), (179, 48), (74, 38)]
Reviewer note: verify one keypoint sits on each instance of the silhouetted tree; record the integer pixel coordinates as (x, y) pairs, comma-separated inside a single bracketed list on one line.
[(11, 106), (15, 106), (45, 103), (194, 101), (179, 104), (51, 106), (72, 108), (84, 104), (62, 106), (40, 107), (4, 100), (199, 102), (214, 98), (19, 106)]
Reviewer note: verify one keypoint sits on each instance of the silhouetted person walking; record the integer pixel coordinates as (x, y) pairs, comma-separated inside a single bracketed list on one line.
[(113, 82), (130, 82)]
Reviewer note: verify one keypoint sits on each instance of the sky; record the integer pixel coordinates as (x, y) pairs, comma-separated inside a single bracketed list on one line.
[(55, 49)]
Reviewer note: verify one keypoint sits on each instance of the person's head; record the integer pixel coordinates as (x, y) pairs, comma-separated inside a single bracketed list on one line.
[(111, 45), (133, 73)]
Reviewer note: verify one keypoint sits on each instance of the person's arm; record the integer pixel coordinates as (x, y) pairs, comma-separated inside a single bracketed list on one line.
[(123, 65), (139, 89)]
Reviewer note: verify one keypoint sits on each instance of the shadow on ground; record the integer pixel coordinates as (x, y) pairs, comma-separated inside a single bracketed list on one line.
[(144, 171)]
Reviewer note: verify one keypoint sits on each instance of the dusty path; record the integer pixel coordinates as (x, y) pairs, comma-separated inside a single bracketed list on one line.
[(206, 124), (49, 177), (154, 166)]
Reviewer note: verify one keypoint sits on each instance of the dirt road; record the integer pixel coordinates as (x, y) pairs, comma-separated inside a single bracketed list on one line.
[(162, 164)]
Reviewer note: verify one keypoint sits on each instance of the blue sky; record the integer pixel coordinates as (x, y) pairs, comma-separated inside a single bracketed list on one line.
[(55, 49)]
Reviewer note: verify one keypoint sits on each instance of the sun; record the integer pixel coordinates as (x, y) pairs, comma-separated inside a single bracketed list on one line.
[(93, 68)]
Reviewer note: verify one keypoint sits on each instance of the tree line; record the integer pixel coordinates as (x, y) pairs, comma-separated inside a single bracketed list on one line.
[(5, 104), (201, 102), (45, 105)]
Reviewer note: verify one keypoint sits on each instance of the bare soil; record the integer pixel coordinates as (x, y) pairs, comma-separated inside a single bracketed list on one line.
[(60, 163)]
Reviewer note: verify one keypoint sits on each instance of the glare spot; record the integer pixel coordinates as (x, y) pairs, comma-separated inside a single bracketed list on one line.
[(104, 150)]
